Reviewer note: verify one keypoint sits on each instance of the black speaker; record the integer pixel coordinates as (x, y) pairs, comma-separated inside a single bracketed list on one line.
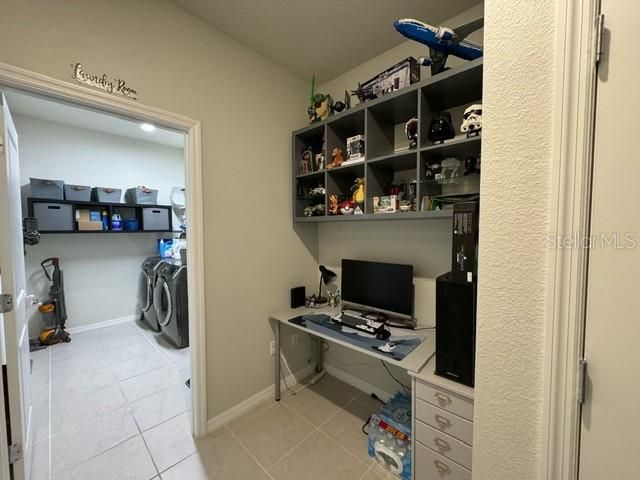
[(298, 297), (456, 328)]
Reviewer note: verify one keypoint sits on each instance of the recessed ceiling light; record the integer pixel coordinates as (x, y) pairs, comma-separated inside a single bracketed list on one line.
[(147, 127)]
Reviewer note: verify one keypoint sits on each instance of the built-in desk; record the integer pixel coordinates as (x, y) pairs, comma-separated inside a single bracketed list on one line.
[(413, 362)]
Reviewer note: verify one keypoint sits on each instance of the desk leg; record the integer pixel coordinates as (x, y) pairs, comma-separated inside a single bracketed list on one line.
[(319, 356), (320, 371), (277, 361)]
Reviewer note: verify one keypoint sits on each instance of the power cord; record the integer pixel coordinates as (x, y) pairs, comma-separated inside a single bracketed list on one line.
[(407, 389)]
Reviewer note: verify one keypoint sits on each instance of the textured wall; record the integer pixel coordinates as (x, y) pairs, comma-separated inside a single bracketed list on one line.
[(248, 107), (516, 163)]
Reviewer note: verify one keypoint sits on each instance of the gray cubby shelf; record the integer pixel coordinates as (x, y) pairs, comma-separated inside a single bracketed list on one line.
[(387, 156)]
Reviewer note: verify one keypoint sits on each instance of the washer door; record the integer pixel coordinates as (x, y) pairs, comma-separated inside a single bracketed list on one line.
[(145, 291), (162, 302)]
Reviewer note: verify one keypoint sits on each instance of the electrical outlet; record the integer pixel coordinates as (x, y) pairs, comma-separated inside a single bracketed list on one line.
[(272, 347), (295, 340)]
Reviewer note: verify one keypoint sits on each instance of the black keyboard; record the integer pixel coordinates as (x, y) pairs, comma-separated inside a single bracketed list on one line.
[(357, 322)]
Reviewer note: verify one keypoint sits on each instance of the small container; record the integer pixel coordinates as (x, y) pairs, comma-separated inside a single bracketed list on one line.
[(45, 188), (106, 194), (77, 193), (141, 196), (105, 220), (131, 225), (116, 222)]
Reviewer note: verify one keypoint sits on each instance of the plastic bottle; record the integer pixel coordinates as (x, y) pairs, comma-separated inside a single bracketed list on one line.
[(105, 220), (116, 222)]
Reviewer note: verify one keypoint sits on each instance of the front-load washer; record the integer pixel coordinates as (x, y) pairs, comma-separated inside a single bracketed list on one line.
[(146, 285), (170, 302)]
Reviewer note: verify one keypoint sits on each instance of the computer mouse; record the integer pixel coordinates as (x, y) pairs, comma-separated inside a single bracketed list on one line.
[(383, 334)]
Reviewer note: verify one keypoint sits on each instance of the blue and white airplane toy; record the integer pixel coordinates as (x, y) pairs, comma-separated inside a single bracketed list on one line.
[(442, 41)]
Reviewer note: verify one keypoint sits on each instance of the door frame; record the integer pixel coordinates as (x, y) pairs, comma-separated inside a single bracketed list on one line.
[(570, 207), (32, 82)]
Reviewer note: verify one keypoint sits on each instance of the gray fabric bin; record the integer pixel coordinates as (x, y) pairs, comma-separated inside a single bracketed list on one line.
[(155, 218), (141, 196), (45, 188), (54, 217), (77, 193), (106, 194)]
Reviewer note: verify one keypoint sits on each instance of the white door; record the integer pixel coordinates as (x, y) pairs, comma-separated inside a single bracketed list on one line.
[(12, 276), (610, 431)]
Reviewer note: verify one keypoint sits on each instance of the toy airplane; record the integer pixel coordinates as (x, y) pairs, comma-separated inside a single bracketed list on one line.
[(442, 41)]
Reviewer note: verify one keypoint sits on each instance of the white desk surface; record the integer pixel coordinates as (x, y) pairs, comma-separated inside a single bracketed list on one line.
[(412, 362), (426, 375)]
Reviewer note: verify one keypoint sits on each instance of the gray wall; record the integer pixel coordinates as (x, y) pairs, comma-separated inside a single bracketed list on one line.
[(101, 272)]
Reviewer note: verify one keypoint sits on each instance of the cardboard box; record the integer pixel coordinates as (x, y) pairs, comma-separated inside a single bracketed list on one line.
[(385, 204), (92, 226), (86, 215)]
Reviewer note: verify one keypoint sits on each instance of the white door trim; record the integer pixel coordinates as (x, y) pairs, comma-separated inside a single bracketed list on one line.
[(15, 77), (570, 214)]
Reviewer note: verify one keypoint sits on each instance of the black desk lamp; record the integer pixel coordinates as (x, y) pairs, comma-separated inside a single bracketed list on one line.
[(326, 277)]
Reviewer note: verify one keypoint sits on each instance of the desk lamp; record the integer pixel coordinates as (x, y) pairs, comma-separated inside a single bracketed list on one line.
[(326, 277)]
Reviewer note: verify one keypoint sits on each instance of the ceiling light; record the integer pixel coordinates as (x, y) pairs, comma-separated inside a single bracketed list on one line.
[(147, 127)]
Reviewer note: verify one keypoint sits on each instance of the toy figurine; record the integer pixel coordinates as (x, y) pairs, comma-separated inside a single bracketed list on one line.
[(342, 106), (472, 120), (319, 104), (333, 205), (347, 207), (306, 164), (358, 194), (336, 158), (472, 165), (441, 128), (411, 130)]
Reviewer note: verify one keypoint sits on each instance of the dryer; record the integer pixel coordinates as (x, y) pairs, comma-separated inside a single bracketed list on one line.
[(171, 302), (146, 285)]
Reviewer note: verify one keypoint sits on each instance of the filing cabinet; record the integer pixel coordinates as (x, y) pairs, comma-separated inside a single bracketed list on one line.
[(442, 427)]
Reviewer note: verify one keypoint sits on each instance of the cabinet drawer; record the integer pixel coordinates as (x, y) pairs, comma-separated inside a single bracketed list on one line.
[(431, 465), (444, 421), (463, 407), (445, 445)]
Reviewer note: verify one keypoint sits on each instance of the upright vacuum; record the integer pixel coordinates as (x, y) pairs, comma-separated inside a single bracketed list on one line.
[(54, 310)]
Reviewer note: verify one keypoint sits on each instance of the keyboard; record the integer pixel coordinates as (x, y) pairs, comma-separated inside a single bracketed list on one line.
[(354, 320)]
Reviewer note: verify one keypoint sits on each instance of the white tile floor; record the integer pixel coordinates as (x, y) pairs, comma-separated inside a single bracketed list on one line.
[(112, 404)]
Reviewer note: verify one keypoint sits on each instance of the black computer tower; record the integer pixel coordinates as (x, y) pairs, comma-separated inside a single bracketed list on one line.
[(456, 296), (456, 329)]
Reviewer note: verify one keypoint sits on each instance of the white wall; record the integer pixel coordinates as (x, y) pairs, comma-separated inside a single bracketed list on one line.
[(101, 272), (520, 46), (424, 243), (248, 107)]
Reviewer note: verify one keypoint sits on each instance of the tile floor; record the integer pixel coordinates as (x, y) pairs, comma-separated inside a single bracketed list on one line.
[(112, 405)]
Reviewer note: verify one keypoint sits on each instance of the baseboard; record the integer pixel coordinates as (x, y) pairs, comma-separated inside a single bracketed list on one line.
[(104, 324), (254, 400), (357, 382)]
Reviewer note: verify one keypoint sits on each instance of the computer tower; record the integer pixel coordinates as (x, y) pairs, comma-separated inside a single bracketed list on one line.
[(456, 328)]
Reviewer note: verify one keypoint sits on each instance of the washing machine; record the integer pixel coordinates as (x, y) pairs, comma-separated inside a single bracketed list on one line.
[(146, 285), (170, 302)]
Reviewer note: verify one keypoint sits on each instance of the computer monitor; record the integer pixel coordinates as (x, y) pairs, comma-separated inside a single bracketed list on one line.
[(384, 287)]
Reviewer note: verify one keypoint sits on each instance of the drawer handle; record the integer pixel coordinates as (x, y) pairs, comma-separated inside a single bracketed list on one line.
[(442, 445), (443, 468), (443, 399), (444, 423)]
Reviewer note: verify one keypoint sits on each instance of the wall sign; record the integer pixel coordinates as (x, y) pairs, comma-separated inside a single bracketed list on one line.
[(114, 86)]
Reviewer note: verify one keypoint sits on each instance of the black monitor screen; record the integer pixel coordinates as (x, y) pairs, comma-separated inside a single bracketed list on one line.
[(381, 286)]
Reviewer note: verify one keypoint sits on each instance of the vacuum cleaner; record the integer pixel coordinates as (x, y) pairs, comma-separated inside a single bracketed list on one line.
[(54, 310)]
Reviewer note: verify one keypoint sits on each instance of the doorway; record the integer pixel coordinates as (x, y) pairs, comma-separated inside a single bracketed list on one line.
[(127, 334)]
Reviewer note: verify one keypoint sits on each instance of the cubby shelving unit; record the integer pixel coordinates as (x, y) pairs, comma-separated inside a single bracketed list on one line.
[(387, 154), (127, 210)]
